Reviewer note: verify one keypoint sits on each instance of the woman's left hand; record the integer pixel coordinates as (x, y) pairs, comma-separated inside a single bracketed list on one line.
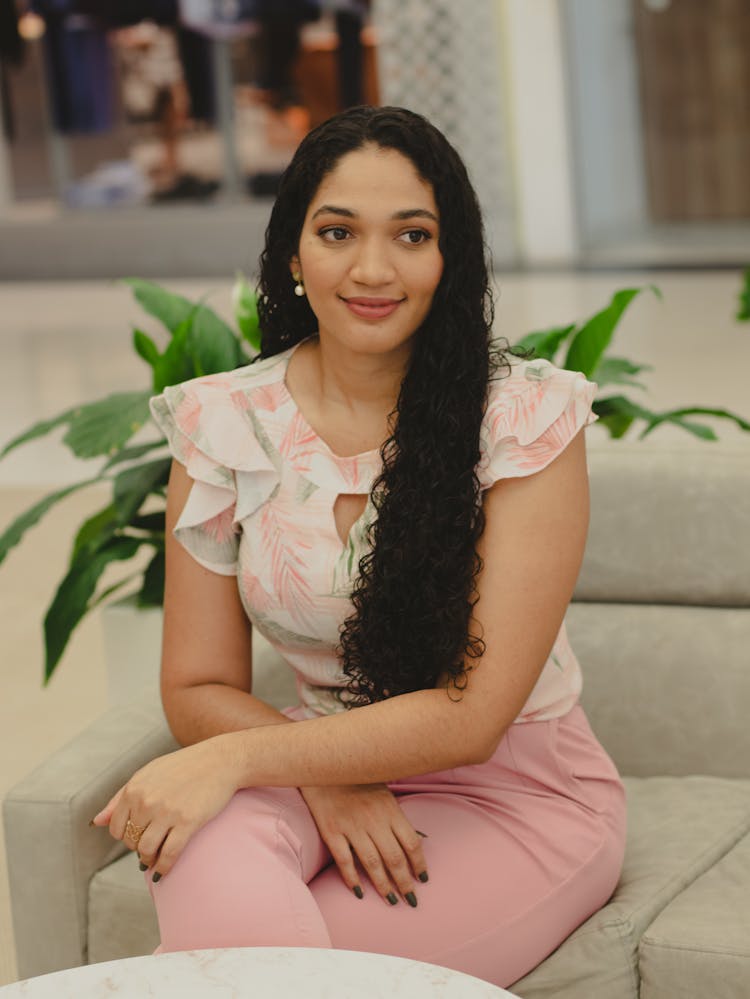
[(168, 801)]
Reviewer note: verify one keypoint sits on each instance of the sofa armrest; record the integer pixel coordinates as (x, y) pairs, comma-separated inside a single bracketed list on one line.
[(52, 851)]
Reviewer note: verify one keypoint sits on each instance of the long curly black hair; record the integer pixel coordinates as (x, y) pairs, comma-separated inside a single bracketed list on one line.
[(416, 588)]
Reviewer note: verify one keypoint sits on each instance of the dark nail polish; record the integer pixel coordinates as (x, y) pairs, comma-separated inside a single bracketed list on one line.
[(423, 835), (391, 898), (358, 891), (142, 866), (411, 898), (92, 823), (424, 877), (156, 877)]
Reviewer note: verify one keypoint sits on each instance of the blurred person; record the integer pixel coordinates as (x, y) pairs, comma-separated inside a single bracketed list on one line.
[(281, 26), (399, 504)]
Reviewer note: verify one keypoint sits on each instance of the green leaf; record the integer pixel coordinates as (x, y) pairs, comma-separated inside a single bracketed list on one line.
[(103, 427), (151, 593), (134, 484), (617, 423), (593, 338), (621, 404), (743, 312), (617, 413), (171, 310), (95, 531), (697, 429), (677, 416), (132, 453), (545, 343), (71, 601), (13, 534), (176, 364), (245, 303), (145, 347), (152, 522), (613, 411), (212, 345), (114, 588), (38, 430), (617, 371)]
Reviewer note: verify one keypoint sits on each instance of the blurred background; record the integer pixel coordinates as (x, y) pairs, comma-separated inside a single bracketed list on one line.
[(608, 140), (149, 136)]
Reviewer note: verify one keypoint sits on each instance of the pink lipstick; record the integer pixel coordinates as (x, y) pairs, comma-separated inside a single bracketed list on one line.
[(373, 308)]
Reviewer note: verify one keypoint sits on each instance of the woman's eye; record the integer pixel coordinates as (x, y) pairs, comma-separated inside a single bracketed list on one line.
[(414, 237), (335, 234)]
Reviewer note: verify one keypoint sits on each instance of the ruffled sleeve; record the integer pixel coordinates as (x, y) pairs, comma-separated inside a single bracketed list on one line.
[(212, 431), (532, 415)]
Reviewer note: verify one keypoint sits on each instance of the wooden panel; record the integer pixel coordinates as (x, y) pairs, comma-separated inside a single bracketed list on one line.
[(694, 64)]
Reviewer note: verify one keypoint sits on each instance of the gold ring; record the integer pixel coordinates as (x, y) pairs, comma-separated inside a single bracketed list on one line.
[(134, 832)]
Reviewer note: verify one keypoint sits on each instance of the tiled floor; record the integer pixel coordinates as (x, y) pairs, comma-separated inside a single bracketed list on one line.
[(62, 344)]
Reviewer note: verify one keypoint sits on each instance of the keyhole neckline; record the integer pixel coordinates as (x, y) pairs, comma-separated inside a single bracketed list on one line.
[(369, 458)]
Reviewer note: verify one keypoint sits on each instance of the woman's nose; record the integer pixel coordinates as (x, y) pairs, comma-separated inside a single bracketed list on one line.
[(372, 264)]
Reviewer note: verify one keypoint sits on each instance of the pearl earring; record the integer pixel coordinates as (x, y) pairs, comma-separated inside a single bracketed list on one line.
[(299, 288)]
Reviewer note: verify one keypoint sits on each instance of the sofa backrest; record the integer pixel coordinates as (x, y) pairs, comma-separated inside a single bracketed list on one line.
[(661, 614)]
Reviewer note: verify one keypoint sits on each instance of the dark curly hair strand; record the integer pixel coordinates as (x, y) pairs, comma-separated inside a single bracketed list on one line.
[(416, 588)]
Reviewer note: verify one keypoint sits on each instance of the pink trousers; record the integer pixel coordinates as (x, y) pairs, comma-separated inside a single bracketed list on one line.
[(520, 851)]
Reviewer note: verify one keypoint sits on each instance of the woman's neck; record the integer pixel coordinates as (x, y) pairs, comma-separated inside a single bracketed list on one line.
[(357, 382), (347, 397)]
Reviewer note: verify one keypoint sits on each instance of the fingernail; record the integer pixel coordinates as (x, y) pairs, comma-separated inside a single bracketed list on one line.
[(143, 867), (424, 877), (411, 898), (156, 877), (358, 891), (391, 898), (423, 835), (92, 823)]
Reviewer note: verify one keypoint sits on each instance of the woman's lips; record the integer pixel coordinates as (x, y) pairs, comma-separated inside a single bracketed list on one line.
[(373, 308)]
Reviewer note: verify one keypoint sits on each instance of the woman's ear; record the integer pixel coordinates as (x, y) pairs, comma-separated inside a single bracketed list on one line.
[(294, 268)]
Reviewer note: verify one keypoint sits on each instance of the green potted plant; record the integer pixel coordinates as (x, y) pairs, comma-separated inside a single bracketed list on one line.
[(199, 342), (743, 309)]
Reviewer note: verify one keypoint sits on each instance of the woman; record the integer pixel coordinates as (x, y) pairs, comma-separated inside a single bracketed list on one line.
[(401, 509)]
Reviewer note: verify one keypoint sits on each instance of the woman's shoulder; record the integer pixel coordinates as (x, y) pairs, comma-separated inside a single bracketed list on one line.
[(223, 414), (258, 373), (534, 409)]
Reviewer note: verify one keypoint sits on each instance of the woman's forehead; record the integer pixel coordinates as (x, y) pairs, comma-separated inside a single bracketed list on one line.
[(374, 177)]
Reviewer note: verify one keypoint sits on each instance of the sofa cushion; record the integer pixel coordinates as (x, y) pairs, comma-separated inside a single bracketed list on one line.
[(700, 944), (122, 918), (653, 673), (678, 828), (666, 525)]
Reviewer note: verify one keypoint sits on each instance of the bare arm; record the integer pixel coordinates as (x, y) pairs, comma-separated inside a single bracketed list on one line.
[(206, 673)]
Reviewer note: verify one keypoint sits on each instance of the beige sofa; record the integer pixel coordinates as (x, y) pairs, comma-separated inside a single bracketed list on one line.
[(661, 623)]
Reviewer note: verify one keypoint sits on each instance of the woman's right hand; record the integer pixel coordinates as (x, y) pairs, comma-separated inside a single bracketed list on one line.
[(364, 821)]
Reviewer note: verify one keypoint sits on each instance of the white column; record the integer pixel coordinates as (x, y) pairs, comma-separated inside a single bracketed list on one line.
[(442, 58), (539, 131)]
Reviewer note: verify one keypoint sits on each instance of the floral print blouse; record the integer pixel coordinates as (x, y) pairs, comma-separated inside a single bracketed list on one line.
[(265, 485)]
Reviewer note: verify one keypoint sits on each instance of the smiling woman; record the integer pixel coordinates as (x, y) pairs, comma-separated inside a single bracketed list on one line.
[(362, 255), (400, 508)]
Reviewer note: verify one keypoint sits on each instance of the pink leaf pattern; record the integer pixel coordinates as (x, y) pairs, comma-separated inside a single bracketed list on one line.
[(221, 527), (293, 572)]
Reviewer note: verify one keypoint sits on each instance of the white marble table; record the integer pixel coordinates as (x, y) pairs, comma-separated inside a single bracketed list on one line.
[(257, 972)]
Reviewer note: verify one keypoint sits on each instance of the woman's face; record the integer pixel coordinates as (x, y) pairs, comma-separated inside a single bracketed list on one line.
[(368, 251)]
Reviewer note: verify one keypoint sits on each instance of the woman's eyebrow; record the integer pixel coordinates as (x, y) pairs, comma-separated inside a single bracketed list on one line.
[(406, 213), (333, 210), (415, 213)]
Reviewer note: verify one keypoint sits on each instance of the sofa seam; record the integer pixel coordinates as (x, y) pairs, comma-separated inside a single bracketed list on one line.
[(715, 951), (742, 830)]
